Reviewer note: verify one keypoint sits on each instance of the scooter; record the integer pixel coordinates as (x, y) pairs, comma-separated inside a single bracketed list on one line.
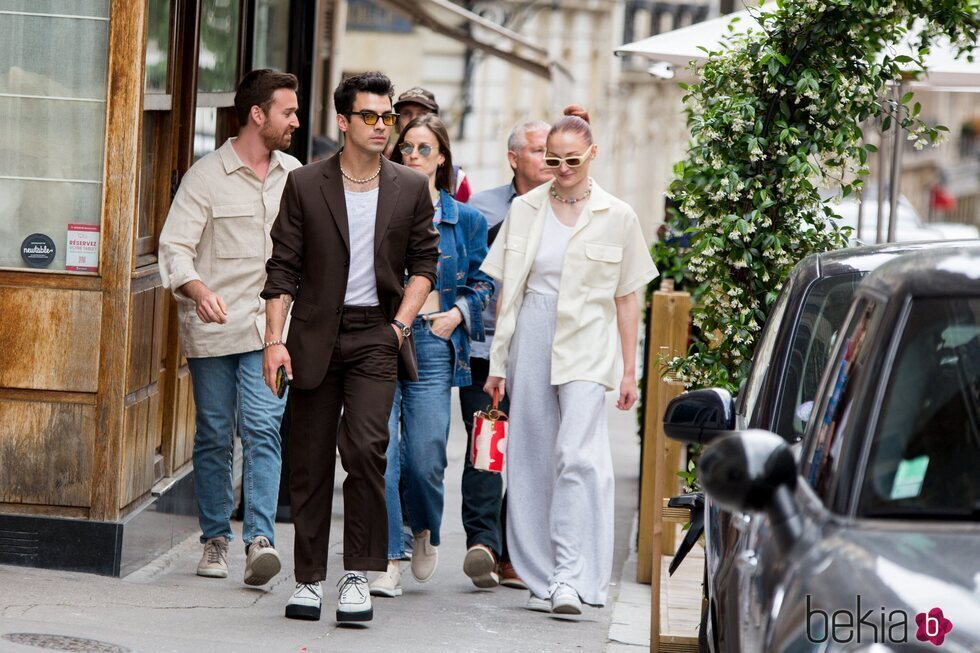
[(694, 502)]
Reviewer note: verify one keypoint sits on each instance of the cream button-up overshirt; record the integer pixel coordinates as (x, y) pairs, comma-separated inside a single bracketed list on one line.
[(607, 257), (217, 232)]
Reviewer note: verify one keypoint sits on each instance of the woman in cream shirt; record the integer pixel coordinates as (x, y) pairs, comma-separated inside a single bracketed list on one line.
[(570, 257)]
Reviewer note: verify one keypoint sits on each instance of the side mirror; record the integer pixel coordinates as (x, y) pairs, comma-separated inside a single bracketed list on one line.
[(755, 471), (700, 416)]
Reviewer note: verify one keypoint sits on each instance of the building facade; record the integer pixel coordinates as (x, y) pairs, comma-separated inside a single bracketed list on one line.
[(104, 104)]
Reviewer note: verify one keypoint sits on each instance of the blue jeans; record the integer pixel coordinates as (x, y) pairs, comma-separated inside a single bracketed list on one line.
[(231, 396), (418, 457)]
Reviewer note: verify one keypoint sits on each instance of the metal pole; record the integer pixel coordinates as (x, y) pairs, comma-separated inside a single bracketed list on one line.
[(857, 235), (879, 191), (896, 177)]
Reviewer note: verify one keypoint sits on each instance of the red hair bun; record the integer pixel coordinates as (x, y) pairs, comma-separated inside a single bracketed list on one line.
[(578, 111)]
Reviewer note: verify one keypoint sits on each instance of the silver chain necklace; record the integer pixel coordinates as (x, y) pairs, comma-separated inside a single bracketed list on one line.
[(360, 181)]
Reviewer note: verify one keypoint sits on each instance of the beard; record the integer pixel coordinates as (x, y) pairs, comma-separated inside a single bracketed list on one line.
[(275, 140)]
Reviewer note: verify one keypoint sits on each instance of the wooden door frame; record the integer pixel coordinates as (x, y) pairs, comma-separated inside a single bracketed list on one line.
[(186, 47), (124, 112)]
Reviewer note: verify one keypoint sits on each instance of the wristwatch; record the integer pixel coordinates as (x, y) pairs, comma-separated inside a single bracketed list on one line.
[(404, 328)]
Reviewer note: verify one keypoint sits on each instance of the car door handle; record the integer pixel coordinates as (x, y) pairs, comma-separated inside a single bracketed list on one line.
[(747, 561)]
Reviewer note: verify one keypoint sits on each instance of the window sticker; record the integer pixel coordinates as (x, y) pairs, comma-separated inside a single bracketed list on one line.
[(38, 250), (909, 477), (83, 248)]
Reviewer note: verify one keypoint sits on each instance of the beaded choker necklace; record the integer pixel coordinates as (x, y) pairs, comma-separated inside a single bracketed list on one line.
[(571, 200), (360, 181)]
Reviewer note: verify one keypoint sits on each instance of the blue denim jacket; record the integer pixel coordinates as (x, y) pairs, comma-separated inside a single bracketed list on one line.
[(462, 248)]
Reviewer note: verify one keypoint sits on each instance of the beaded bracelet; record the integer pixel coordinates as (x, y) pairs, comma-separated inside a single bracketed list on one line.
[(266, 345)]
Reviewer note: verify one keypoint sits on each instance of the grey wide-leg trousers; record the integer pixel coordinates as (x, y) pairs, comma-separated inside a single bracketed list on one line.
[(560, 486)]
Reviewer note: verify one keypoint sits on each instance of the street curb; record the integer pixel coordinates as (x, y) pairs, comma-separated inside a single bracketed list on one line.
[(629, 628)]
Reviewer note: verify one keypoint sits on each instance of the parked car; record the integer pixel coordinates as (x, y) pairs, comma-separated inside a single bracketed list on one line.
[(870, 540), (908, 226), (777, 396)]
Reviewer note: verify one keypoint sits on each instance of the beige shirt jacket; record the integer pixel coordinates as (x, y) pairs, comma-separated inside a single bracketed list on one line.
[(217, 232), (607, 257)]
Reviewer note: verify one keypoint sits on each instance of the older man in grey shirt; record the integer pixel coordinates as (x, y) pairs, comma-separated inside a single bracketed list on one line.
[(482, 492)]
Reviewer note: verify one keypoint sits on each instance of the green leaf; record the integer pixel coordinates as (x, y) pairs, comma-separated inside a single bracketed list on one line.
[(908, 96)]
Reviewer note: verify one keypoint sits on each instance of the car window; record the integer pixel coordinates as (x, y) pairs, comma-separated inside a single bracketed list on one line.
[(823, 315), (833, 417), (925, 457), (762, 355)]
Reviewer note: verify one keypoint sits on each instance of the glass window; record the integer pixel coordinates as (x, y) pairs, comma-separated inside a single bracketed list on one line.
[(158, 46), (53, 72), (218, 57), (205, 131), (762, 354), (270, 47), (823, 315), (833, 418), (926, 449)]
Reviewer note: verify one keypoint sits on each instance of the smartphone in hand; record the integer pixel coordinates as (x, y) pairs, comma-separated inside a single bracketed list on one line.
[(282, 381)]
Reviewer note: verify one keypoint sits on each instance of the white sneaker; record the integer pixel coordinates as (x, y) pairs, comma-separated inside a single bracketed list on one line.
[(565, 600), (355, 599), (425, 557), (388, 583), (538, 605), (305, 602)]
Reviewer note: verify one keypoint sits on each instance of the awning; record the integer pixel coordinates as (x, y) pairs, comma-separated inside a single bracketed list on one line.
[(680, 46), (441, 17), (945, 68)]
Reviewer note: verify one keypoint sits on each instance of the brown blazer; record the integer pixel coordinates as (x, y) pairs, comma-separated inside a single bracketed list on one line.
[(311, 255)]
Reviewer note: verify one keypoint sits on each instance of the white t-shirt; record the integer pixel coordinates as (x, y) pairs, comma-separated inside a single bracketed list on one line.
[(545, 276), (362, 284)]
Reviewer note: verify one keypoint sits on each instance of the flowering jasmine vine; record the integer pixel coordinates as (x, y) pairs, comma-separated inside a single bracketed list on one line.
[(775, 116)]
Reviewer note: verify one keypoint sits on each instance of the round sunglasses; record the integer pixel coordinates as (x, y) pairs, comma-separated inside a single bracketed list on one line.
[(572, 160), (407, 148)]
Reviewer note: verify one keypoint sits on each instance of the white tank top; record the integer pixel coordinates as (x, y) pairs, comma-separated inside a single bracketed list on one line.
[(545, 276)]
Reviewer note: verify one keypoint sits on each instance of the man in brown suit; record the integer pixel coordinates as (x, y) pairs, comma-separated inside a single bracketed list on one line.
[(349, 228)]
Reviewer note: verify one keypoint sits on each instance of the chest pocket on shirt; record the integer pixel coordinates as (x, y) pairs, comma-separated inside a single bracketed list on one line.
[(238, 231), (602, 264), (514, 252)]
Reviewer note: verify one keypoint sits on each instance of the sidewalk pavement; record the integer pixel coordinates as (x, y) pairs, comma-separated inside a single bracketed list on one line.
[(166, 607)]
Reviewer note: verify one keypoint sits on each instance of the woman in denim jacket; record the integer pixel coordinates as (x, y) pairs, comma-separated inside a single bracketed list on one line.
[(450, 317)]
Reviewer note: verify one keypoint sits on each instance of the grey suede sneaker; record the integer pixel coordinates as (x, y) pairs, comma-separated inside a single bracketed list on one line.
[(214, 562), (480, 565), (424, 557), (261, 563)]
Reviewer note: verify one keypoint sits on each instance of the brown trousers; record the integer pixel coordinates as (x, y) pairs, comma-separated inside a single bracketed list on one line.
[(348, 411)]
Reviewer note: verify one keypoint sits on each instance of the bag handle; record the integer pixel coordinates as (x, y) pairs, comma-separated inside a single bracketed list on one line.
[(493, 412)]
